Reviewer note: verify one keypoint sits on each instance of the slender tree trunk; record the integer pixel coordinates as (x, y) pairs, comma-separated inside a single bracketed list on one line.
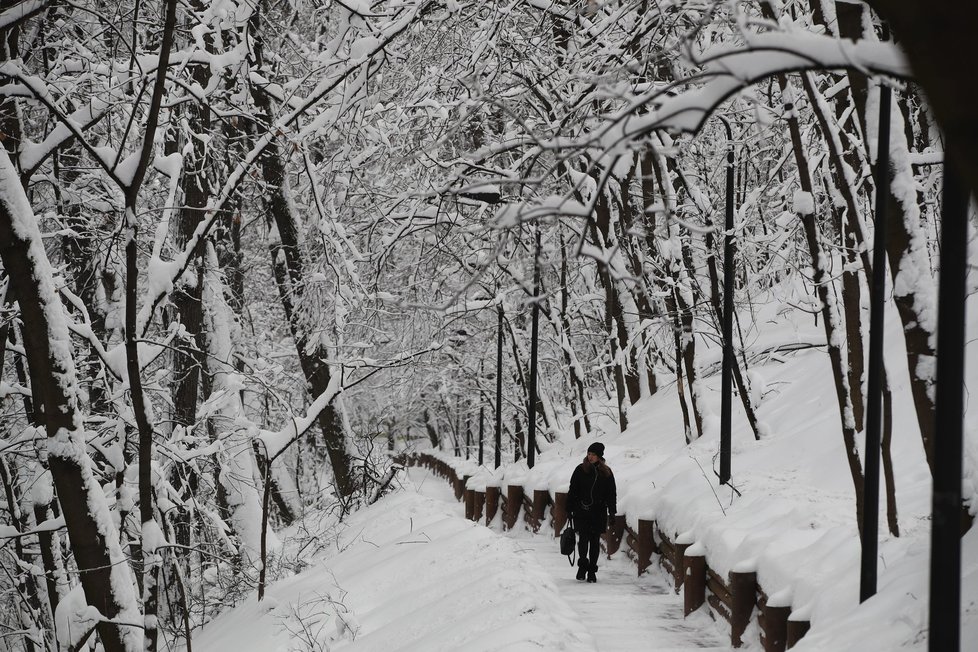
[(685, 334), (681, 393), (25, 582), (715, 298), (519, 439), (103, 569), (55, 576), (313, 358), (906, 250), (641, 291), (821, 281), (573, 367), (152, 533), (625, 385), (239, 470), (655, 168), (716, 301), (282, 488), (29, 586), (848, 229), (885, 446), (842, 176), (651, 173), (431, 429)]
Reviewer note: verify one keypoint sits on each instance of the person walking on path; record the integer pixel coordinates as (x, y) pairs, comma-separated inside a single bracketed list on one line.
[(591, 507)]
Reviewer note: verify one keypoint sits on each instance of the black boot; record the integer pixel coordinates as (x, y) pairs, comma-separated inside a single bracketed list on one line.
[(592, 569), (582, 567)]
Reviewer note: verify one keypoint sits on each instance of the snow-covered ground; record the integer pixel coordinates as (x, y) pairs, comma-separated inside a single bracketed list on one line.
[(623, 611), (411, 574)]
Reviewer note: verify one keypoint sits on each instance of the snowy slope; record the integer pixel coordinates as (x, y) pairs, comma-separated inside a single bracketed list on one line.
[(409, 573), (792, 518)]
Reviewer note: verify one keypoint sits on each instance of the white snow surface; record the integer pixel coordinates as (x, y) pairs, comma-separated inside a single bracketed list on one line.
[(409, 573), (414, 575)]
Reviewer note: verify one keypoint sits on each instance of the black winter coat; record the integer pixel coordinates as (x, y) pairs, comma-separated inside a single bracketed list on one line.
[(592, 497)]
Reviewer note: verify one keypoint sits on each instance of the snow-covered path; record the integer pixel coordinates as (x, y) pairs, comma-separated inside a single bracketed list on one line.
[(621, 612), (625, 612)]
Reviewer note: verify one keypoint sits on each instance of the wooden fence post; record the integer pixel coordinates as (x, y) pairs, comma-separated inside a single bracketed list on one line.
[(470, 504), (774, 627), (559, 512), (646, 544), (796, 631), (459, 485), (678, 570), (694, 583), (743, 589), (478, 503), (514, 498), (615, 534), (492, 503), (540, 499)]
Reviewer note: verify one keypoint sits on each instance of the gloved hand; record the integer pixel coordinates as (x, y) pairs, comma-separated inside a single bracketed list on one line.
[(611, 522)]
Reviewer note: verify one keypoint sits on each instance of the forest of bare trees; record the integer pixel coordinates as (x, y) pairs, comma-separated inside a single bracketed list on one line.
[(250, 246)]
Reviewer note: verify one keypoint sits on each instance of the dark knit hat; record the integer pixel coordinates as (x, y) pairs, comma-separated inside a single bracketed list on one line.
[(597, 448)]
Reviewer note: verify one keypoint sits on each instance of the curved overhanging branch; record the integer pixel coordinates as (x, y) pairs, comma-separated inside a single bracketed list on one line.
[(727, 71), (20, 13), (730, 71)]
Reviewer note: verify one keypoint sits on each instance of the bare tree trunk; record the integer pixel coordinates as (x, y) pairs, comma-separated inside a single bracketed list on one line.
[(716, 300), (152, 533), (681, 284), (573, 368), (28, 585), (313, 359), (821, 280), (238, 466), (677, 338), (906, 249), (641, 292), (885, 444), (519, 439), (682, 295), (626, 384), (25, 582), (519, 379), (430, 429), (103, 569), (55, 576), (281, 487), (851, 229)]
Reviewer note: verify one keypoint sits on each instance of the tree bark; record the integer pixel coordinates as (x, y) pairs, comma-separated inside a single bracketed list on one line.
[(103, 569), (25, 582), (849, 232), (574, 377), (821, 281), (626, 384), (312, 357), (905, 241), (238, 469)]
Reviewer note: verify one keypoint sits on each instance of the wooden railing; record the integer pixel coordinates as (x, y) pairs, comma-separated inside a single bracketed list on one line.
[(735, 598)]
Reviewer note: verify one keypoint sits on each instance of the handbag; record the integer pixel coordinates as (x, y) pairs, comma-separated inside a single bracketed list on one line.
[(568, 543)]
